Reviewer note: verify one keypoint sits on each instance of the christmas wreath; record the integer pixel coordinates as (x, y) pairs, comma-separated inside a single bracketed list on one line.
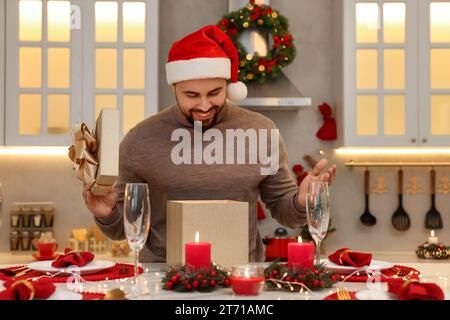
[(278, 276), (433, 251), (182, 279), (253, 67)]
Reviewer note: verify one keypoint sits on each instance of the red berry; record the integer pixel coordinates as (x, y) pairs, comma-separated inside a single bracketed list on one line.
[(199, 277), (212, 273), (212, 283), (226, 282), (315, 283), (295, 280), (275, 272), (288, 278), (300, 276), (203, 283), (169, 285), (174, 279), (316, 272), (188, 287), (195, 284), (322, 283), (333, 278)]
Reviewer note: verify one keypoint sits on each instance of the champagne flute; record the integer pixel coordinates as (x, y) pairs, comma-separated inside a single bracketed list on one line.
[(318, 213), (136, 221)]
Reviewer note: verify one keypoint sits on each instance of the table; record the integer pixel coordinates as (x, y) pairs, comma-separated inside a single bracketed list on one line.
[(432, 270)]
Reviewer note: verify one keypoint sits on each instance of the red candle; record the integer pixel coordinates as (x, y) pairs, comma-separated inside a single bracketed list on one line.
[(300, 255), (247, 280), (197, 254)]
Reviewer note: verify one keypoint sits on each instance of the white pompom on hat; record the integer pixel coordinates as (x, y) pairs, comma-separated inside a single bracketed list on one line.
[(206, 53)]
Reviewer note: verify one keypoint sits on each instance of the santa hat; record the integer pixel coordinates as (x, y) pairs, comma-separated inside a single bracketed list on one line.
[(206, 53)]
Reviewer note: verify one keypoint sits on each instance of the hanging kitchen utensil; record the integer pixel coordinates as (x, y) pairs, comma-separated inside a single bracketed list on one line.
[(367, 218), (400, 218), (433, 218)]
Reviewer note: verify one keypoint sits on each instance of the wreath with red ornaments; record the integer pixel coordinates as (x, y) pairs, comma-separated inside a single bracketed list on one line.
[(253, 67)]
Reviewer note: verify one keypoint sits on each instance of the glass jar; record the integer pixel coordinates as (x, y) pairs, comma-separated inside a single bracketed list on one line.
[(15, 217), (26, 240), (14, 240), (48, 216), (26, 217), (247, 280), (36, 237), (37, 217)]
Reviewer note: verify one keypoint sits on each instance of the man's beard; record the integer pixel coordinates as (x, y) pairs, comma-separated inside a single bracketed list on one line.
[(207, 123)]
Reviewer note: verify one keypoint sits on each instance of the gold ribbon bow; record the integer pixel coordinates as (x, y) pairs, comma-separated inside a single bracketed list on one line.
[(83, 152), (341, 255)]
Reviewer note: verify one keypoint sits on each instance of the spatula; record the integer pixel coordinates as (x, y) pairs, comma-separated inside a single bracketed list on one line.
[(433, 218), (400, 218), (367, 218)]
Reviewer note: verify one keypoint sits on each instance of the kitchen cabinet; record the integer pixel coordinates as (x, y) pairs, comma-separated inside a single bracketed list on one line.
[(66, 60), (396, 66), (2, 68)]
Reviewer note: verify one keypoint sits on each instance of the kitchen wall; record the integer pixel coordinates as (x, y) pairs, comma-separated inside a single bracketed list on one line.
[(317, 71)]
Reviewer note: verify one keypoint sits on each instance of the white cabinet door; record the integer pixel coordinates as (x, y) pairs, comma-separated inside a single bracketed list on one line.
[(434, 73), (43, 91), (121, 60), (68, 59), (380, 73), (2, 68)]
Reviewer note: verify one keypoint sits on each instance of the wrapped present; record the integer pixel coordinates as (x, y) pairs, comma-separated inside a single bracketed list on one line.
[(222, 223), (96, 156)]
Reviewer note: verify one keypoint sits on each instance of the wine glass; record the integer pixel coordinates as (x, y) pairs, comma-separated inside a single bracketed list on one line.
[(136, 221), (318, 212)]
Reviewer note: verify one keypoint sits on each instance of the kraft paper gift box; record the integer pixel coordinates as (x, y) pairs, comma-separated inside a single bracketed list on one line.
[(223, 223), (107, 136)]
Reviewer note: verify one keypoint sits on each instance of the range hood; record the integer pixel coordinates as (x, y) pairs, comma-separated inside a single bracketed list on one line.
[(276, 94)]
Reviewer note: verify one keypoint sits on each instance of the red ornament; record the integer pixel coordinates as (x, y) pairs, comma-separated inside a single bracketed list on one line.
[(275, 272), (315, 283), (169, 285), (328, 131), (226, 282), (212, 283), (212, 273), (188, 286), (288, 278), (174, 279), (203, 283), (195, 284), (199, 277), (224, 22)]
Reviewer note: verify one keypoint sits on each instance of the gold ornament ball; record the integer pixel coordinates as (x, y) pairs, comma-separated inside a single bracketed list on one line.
[(249, 57), (274, 14), (250, 6), (246, 25), (241, 17), (250, 76), (260, 22), (241, 64), (261, 68)]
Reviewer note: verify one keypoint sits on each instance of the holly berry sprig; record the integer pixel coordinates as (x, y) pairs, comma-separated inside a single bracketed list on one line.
[(183, 279), (278, 276), (433, 251)]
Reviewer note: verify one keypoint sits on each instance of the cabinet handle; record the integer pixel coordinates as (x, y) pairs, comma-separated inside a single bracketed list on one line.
[(424, 140), (413, 140)]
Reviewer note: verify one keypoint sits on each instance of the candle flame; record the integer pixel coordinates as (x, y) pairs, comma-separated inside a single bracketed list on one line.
[(432, 233), (197, 237), (299, 239), (247, 275)]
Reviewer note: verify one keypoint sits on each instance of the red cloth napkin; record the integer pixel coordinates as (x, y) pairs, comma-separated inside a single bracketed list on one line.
[(414, 290), (346, 257), (396, 270), (27, 290), (71, 258)]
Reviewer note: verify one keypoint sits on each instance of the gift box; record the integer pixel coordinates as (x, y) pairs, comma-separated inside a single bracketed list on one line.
[(107, 135), (223, 223), (96, 156)]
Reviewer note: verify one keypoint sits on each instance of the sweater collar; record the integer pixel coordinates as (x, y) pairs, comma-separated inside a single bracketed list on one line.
[(181, 119)]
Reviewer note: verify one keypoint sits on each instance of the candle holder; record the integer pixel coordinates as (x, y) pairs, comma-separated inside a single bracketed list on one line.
[(433, 251), (247, 280)]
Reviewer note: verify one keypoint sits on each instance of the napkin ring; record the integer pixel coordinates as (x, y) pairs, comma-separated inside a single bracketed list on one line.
[(28, 285), (341, 254)]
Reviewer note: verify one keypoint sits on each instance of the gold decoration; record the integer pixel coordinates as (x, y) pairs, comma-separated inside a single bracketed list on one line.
[(250, 6), (260, 22), (261, 68), (414, 186), (246, 24), (444, 185), (274, 14), (249, 57), (380, 185), (250, 76), (241, 63)]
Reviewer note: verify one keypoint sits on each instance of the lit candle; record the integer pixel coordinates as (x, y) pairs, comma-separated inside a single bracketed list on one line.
[(432, 239), (247, 280), (198, 254), (300, 255)]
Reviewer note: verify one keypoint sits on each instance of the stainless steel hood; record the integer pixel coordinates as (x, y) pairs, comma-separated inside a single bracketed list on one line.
[(277, 94)]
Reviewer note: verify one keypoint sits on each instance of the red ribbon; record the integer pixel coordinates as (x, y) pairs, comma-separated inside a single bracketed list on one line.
[(258, 12), (286, 40), (268, 64)]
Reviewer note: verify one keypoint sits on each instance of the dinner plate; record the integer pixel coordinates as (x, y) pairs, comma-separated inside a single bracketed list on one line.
[(92, 267), (374, 265)]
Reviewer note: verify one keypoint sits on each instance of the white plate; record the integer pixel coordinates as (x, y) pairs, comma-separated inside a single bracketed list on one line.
[(92, 267), (374, 265)]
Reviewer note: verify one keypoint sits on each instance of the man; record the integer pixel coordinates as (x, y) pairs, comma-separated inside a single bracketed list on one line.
[(198, 68)]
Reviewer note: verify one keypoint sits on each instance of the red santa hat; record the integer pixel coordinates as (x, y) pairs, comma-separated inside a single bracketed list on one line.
[(206, 53)]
